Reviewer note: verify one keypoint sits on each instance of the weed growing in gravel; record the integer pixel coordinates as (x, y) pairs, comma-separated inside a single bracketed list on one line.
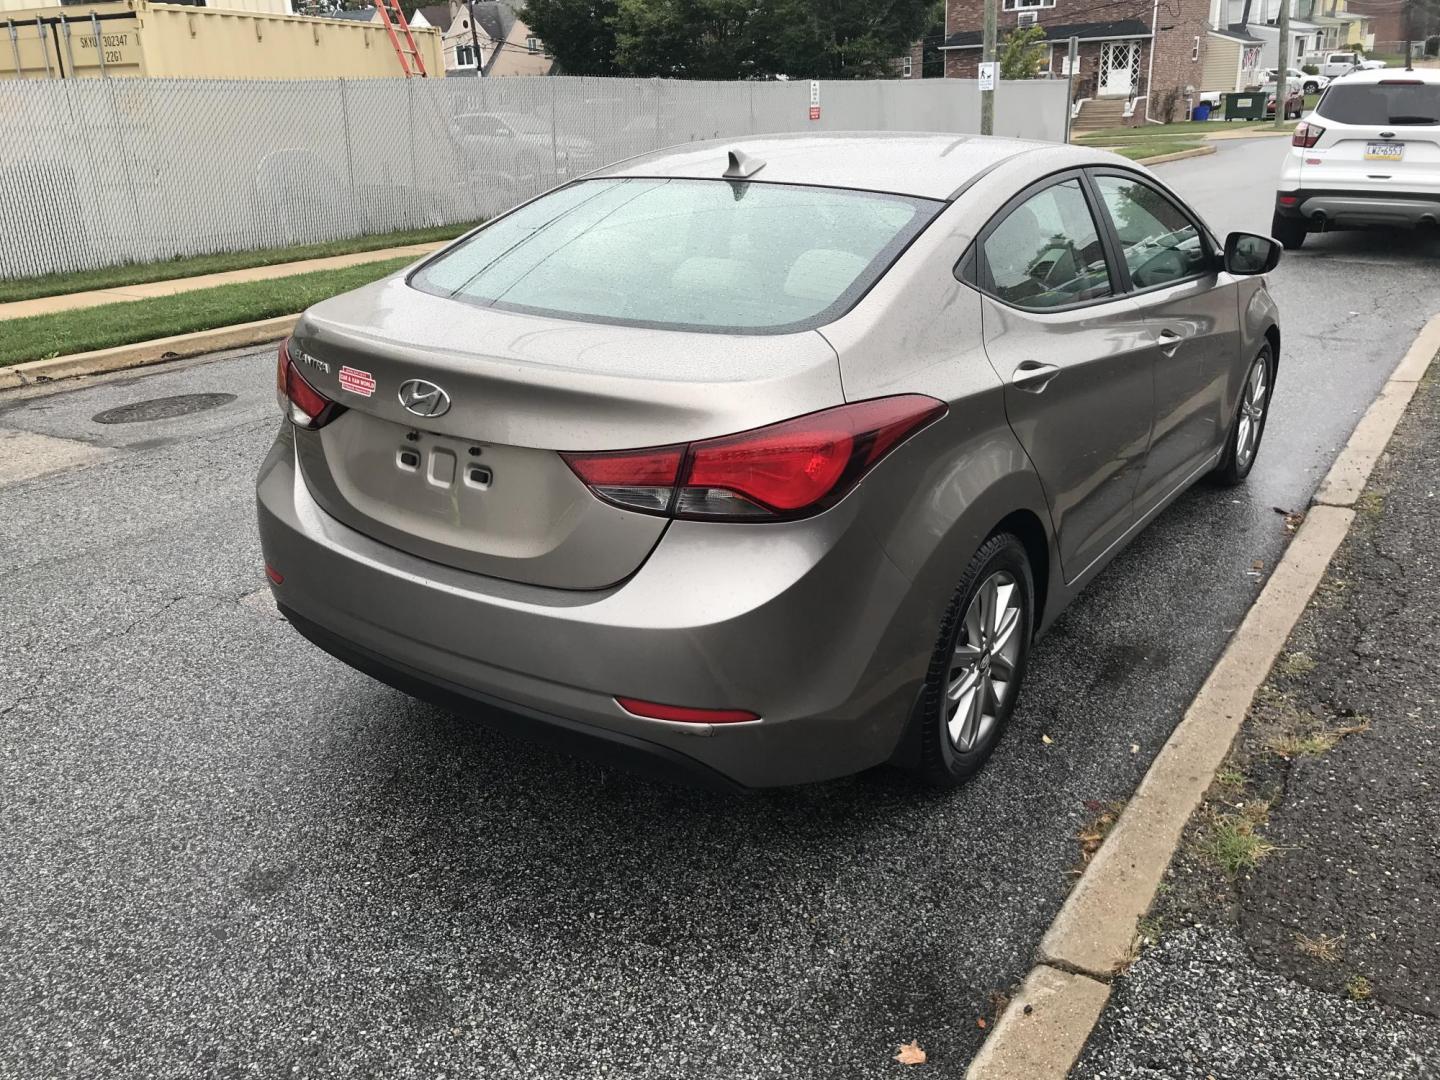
[(1314, 743), (1232, 843), (1359, 988), (1295, 664), (1092, 834), (1320, 947)]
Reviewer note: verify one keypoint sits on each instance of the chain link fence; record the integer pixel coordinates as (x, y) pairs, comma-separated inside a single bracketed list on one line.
[(99, 172)]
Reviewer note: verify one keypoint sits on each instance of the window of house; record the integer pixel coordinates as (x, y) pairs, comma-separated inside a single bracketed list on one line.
[(1160, 243), (464, 56), (1060, 61), (1195, 48), (1021, 5), (1047, 252), (907, 65), (532, 44)]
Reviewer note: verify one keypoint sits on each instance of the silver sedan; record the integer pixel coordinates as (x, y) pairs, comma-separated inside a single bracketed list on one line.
[(762, 462)]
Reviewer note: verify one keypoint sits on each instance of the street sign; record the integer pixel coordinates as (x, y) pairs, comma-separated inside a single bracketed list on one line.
[(814, 91), (814, 112), (987, 76)]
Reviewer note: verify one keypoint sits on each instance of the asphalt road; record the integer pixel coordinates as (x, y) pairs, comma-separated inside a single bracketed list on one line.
[(224, 854)]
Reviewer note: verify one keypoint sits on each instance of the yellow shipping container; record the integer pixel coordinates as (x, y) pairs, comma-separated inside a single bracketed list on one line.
[(138, 38)]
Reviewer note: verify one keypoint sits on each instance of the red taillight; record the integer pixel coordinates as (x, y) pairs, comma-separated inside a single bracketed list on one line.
[(1306, 134), (790, 469), (1288, 200), (683, 714), (302, 403)]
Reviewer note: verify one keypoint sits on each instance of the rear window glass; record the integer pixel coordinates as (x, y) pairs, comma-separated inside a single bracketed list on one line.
[(1381, 103), (712, 255)]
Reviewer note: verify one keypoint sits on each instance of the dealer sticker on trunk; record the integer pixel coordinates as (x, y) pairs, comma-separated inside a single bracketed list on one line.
[(357, 382)]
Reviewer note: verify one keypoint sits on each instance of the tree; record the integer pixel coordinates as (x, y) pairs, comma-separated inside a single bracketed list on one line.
[(1021, 52), (580, 34), (728, 39)]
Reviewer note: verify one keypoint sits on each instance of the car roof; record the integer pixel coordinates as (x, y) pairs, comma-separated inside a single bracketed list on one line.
[(926, 164), (1376, 75)]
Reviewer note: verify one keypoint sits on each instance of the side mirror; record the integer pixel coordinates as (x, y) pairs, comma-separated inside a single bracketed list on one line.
[(1247, 253)]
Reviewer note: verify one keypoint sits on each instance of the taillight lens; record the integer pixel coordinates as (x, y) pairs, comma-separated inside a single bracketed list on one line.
[(1306, 134), (787, 470), (302, 403)]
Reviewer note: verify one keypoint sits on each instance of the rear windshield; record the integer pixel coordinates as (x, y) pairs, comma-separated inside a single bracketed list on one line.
[(1381, 103), (715, 255)]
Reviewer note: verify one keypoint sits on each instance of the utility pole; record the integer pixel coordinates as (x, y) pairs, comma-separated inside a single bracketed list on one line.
[(1072, 61), (987, 61), (475, 42), (1282, 74), (1409, 34)]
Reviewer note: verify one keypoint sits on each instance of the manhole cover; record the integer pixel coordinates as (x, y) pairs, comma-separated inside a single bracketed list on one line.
[(163, 408)]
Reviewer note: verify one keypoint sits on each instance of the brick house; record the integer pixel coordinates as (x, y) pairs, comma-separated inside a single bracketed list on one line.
[(1137, 58)]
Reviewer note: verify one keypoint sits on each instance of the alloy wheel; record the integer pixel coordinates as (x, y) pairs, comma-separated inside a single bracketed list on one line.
[(982, 671), (1252, 412)]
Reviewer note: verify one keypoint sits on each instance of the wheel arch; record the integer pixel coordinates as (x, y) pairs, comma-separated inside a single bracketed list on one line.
[(1026, 525)]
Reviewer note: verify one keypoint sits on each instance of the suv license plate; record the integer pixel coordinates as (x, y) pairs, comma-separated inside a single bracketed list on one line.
[(1384, 151)]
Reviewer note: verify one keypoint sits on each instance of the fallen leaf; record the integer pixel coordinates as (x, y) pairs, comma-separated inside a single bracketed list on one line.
[(1046, 739), (910, 1054), (1134, 748), (1257, 565), (979, 1021)]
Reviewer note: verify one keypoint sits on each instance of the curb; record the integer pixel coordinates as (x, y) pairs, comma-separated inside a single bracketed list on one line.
[(1179, 155), (144, 353), (1044, 1028)]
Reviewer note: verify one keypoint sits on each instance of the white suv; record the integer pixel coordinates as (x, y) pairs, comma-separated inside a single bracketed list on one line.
[(1368, 155)]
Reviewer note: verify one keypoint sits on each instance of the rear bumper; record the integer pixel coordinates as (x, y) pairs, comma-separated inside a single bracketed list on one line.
[(1352, 209), (807, 624)]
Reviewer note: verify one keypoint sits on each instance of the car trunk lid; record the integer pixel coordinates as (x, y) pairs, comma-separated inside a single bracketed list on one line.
[(481, 484)]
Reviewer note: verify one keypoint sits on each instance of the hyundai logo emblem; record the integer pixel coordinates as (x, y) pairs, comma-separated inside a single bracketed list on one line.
[(424, 398)]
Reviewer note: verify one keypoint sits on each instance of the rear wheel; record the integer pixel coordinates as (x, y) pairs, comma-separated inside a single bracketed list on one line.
[(1311, 88), (1289, 231), (1249, 425), (979, 662)]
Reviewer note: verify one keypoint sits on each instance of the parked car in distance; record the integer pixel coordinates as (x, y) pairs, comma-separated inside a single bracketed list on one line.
[(1294, 103), (1306, 84), (1368, 154), (1334, 64), (594, 469)]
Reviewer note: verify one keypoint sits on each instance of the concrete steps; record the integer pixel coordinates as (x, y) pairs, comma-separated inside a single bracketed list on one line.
[(1098, 113)]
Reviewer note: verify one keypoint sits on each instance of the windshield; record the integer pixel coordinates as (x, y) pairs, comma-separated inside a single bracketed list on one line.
[(724, 256), (1378, 104)]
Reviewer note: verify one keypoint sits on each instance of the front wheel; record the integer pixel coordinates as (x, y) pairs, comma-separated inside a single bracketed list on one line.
[(975, 674), (1311, 88), (1249, 425), (1289, 231)]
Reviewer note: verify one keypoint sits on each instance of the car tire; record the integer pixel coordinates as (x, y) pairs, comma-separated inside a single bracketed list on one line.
[(957, 732), (1311, 88), (1247, 429), (1289, 231)]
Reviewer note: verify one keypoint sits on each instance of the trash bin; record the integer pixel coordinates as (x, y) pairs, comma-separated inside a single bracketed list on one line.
[(1246, 106), (1202, 111)]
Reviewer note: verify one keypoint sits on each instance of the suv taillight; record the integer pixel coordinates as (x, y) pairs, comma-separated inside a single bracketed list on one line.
[(788, 470), (305, 406), (1306, 134)]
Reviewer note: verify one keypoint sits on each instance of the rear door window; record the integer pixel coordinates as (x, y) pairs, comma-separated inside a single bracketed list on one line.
[(1046, 252), (724, 256), (1381, 104)]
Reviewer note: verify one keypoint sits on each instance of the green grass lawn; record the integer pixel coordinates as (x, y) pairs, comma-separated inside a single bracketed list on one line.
[(1144, 148), (1191, 128), (112, 277), (81, 330)]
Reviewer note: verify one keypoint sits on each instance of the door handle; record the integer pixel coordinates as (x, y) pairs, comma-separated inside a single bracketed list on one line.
[(1169, 342), (1032, 376)]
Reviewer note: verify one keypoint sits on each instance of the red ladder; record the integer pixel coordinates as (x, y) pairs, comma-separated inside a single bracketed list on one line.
[(393, 16)]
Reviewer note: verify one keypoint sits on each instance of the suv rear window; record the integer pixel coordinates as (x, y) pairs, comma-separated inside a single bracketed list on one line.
[(717, 255), (1379, 104)]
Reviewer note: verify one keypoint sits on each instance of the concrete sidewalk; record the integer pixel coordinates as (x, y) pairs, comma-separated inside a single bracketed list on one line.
[(1295, 936), (46, 305)]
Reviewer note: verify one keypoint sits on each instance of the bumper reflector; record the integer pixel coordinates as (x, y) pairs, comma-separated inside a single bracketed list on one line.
[(274, 575), (682, 714)]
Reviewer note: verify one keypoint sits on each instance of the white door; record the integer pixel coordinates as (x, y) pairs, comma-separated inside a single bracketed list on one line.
[(1117, 59)]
